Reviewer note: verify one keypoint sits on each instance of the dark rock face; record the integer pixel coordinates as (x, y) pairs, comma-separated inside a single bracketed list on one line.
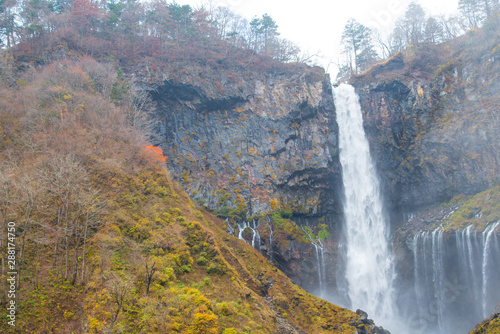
[(257, 142), (268, 137), (434, 134)]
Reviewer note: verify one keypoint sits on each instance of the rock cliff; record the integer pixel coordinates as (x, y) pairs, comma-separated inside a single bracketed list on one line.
[(252, 141), (246, 143), (431, 116)]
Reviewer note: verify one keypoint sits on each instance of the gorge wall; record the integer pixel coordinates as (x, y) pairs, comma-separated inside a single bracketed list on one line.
[(246, 143), (431, 115), (432, 118)]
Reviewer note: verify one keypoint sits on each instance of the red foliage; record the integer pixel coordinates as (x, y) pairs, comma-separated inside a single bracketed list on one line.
[(85, 14), (155, 153)]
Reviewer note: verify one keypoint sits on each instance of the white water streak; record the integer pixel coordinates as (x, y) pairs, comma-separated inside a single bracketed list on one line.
[(320, 259), (487, 236)]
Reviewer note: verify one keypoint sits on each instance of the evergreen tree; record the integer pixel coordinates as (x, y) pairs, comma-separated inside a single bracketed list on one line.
[(358, 46), (264, 31), (433, 31)]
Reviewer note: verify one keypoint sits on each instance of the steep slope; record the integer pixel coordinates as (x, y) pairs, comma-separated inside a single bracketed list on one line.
[(106, 242), (490, 326)]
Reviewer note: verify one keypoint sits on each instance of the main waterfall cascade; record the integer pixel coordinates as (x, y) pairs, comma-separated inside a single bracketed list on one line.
[(456, 275), (368, 269)]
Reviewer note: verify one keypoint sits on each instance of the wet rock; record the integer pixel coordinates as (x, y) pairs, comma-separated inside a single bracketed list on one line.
[(362, 315)]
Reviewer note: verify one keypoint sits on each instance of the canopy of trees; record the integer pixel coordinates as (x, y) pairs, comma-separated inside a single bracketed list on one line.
[(133, 30), (363, 47)]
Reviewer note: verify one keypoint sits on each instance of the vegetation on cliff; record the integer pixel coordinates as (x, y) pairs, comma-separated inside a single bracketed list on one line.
[(106, 241), (364, 47), (489, 326), (478, 210)]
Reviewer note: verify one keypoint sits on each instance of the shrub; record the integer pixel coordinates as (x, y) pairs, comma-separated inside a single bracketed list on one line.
[(205, 324)]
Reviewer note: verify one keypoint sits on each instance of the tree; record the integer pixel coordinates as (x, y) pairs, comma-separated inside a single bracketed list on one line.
[(451, 26), (34, 13), (472, 12), (269, 29), (358, 46), (85, 14), (182, 16), (264, 31), (150, 271), (414, 22), (409, 30), (120, 293), (8, 22), (433, 31), (66, 180), (7, 198)]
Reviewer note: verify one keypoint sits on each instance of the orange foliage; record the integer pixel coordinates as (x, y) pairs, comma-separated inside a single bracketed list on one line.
[(155, 153)]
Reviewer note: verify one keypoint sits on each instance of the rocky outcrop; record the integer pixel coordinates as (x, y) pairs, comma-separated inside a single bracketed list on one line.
[(432, 121), (244, 143), (253, 141)]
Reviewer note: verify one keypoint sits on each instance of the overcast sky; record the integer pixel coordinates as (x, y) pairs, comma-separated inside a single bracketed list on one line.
[(316, 25)]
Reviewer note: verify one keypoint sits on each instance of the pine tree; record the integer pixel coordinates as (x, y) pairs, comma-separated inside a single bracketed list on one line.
[(358, 46)]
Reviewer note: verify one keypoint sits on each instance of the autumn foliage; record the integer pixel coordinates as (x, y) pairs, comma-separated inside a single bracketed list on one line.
[(155, 153)]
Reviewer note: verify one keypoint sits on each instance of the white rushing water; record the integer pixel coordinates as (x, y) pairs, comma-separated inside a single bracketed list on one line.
[(369, 270), (320, 259), (456, 279), (252, 226), (270, 252)]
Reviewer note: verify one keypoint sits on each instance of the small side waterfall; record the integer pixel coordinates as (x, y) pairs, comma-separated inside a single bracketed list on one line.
[(230, 229), (490, 251), (270, 252), (320, 259), (456, 278), (369, 270), (253, 226)]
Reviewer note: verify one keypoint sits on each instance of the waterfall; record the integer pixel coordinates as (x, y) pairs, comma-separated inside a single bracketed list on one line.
[(230, 229), (489, 253), (456, 279), (270, 239), (320, 259), (252, 226), (369, 270)]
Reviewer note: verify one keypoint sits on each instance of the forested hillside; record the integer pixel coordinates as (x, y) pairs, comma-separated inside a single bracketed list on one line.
[(145, 147), (105, 241)]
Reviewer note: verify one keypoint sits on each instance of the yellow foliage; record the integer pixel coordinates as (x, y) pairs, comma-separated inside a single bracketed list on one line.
[(205, 324)]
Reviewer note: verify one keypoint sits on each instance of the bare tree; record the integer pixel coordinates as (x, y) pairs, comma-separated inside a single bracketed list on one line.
[(65, 178), (93, 210), (120, 291), (150, 271), (452, 26), (30, 190)]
